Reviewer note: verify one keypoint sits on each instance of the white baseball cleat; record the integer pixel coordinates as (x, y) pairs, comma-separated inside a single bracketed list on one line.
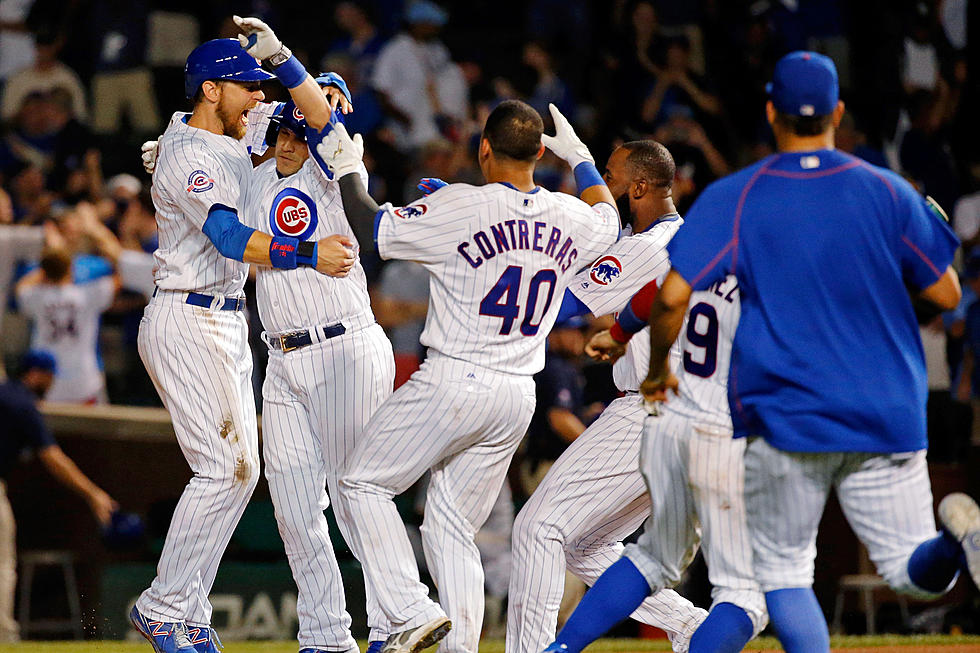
[(415, 639), (960, 516)]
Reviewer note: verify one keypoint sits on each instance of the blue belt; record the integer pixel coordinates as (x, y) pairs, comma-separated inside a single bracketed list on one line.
[(290, 341), (205, 301)]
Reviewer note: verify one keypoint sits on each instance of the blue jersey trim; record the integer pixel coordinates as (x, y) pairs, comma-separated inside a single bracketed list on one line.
[(526, 192), (377, 226)]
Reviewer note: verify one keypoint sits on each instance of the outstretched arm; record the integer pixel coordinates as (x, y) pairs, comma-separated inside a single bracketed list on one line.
[(67, 472)]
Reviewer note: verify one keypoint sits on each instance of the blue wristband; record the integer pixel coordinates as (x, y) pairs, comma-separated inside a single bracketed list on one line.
[(282, 252), (586, 176), (628, 320), (291, 72)]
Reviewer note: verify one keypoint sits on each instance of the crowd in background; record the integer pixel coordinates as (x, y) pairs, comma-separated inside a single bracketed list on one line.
[(84, 82)]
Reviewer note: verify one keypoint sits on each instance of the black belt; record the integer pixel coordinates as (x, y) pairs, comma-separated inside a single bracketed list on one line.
[(291, 341), (205, 301)]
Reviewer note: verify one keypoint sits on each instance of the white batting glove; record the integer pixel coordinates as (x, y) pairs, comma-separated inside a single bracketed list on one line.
[(565, 143), (257, 38), (149, 150), (340, 152)]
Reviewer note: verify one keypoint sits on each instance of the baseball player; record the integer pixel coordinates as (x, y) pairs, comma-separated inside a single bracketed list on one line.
[(330, 366), (499, 256), (693, 469), (827, 373), (192, 338), (594, 495)]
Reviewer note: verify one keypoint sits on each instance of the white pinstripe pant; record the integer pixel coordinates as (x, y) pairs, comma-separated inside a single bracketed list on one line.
[(463, 422), (695, 473), (591, 498), (886, 498), (201, 365), (317, 401)]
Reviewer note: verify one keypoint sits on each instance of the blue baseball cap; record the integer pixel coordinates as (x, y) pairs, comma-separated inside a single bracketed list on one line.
[(804, 84), (38, 359), (423, 11)]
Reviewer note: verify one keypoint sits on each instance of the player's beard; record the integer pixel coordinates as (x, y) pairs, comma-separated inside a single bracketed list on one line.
[(231, 121)]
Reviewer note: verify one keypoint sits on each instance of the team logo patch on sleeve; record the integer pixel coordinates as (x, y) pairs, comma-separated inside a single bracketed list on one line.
[(605, 270), (411, 211), (293, 214), (199, 181)]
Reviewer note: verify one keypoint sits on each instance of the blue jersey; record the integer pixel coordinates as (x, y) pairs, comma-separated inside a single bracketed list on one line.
[(827, 355)]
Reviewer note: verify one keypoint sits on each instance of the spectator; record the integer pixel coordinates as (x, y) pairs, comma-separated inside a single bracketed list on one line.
[(123, 84), (362, 44), (921, 68), (66, 323), (420, 88), (24, 428), (549, 88), (47, 74), (18, 244), (368, 115), (676, 85), (966, 212), (698, 161), (437, 158), (925, 153), (17, 50)]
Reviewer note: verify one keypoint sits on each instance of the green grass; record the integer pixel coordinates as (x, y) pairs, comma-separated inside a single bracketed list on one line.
[(496, 646)]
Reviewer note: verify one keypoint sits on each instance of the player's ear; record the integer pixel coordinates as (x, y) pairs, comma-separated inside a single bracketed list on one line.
[(211, 91), (537, 157), (485, 149), (838, 113), (639, 188), (770, 112)]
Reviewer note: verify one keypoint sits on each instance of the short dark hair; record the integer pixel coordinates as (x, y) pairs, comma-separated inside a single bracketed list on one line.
[(651, 161), (56, 264), (514, 130), (804, 125)]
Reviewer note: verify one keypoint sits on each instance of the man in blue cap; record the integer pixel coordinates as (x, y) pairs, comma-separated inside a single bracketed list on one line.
[(24, 428), (827, 376)]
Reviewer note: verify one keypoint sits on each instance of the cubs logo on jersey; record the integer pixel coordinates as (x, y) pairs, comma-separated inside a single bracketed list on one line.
[(605, 270), (199, 181), (293, 214), (412, 211)]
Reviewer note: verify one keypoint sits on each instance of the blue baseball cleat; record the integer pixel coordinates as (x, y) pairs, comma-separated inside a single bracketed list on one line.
[(375, 646), (960, 517), (204, 639), (164, 636)]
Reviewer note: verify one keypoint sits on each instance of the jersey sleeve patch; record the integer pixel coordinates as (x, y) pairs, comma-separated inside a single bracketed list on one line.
[(605, 270), (199, 181), (293, 214), (411, 211)]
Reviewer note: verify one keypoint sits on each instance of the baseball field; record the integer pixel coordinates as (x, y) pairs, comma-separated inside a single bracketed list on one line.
[(854, 644)]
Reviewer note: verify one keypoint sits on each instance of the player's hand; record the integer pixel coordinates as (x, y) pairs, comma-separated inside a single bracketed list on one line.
[(335, 256), (149, 150), (340, 152), (655, 391), (257, 38), (565, 143), (602, 347), (102, 506), (336, 91), (429, 185)]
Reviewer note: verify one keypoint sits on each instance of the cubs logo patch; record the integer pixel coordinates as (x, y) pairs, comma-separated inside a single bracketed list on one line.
[(297, 114), (412, 211), (293, 214), (199, 181), (605, 270)]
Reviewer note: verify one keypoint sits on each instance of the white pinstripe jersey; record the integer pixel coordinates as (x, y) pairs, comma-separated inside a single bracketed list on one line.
[(616, 276), (195, 169), (500, 261), (305, 205), (706, 345)]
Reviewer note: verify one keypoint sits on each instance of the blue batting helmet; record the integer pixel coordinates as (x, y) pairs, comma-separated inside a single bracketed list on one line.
[(221, 59), (290, 117)]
